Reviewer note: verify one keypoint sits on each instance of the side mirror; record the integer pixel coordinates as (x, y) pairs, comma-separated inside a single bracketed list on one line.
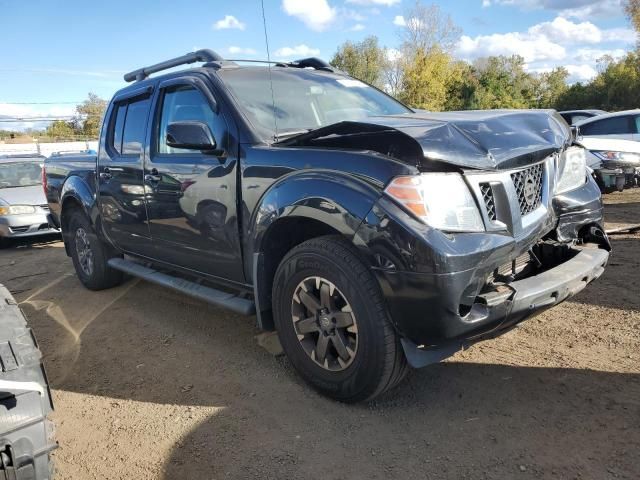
[(190, 135)]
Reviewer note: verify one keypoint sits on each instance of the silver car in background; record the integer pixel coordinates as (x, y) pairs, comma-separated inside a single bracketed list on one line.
[(23, 206)]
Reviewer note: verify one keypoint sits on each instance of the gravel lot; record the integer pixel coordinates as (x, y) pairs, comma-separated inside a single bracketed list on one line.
[(152, 384)]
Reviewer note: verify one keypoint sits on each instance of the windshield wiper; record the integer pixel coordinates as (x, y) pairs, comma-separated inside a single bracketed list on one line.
[(291, 133)]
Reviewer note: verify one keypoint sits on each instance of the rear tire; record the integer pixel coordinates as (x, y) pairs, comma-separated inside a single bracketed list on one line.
[(332, 322), (90, 255)]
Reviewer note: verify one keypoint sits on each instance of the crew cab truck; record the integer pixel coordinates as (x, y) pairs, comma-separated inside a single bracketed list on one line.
[(371, 237)]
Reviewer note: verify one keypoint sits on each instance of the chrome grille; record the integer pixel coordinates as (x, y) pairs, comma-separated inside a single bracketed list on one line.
[(528, 183), (489, 201), (45, 207)]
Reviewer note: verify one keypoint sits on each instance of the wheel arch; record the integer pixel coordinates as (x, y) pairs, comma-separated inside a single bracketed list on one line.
[(297, 209)]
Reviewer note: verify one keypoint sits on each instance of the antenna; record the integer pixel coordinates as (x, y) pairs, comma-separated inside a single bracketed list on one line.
[(273, 98)]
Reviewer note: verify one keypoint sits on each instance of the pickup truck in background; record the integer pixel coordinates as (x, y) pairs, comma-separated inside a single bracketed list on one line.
[(370, 236)]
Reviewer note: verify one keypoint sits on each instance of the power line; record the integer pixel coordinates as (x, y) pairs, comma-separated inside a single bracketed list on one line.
[(41, 103)]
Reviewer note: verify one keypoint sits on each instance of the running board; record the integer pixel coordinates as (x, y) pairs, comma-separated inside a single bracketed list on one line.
[(209, 295)]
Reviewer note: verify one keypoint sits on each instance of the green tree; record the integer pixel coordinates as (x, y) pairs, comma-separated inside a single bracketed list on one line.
[(61, 130), (632, 8), (503, 83), (90, 114), (427, 78), (363, 60), (550, 86), (616, 87)]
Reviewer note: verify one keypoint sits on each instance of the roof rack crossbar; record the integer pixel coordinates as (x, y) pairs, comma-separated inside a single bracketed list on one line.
[(204, 55)]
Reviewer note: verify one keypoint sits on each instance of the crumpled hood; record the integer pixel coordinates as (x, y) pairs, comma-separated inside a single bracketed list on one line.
[(486, 139), (31, 195), (481, 139)]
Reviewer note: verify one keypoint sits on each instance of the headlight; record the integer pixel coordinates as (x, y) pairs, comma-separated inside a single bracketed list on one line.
[(441, 200), (572, 170), (17, 210), (618, 156)]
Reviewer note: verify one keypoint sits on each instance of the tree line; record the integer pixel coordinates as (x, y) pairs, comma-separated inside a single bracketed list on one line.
[(423, 72)]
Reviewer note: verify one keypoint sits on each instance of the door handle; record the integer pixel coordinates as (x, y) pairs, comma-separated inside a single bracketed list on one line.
[(153, 176), (107, 172)]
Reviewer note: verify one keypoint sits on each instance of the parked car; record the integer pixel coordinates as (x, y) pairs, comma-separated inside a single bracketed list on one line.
[(369, 236), (574, 116), (23, 206), (27, 436), (617, 162), (619, 125)]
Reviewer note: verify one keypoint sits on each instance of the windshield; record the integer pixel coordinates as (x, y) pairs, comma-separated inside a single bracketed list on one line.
[(20, 174), (304, 99)]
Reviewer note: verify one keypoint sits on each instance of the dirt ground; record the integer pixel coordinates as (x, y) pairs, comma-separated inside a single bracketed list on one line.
[(152, 384)]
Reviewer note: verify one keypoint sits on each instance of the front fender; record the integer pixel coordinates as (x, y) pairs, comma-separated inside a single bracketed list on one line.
[(340, 201)]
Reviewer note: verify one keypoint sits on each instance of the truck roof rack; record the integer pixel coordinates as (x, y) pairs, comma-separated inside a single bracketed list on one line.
[(204, 55)]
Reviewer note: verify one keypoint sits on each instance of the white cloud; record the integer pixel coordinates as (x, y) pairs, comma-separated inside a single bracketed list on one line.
[(229, 21), (547, 41), (580, 73), (399, 21), (514, 43), (357, 27), (592, 55), (241, 50), (315, 14), (620, 34), (386, 3), (561, 30), (297, 51), (583, 9)]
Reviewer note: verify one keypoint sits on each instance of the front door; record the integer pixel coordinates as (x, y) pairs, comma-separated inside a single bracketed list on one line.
[(191, 195), (121, 188)]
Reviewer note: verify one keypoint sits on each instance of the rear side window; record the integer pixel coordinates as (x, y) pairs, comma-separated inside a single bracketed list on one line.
[(118, 123), (637, 124), (129, 126), (609, 126)]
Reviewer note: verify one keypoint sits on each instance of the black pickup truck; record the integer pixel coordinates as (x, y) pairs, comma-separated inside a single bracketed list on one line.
[(369, 235)]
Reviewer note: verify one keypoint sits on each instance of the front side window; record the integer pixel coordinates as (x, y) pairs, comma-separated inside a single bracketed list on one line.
[(608, 126), (179, 104), (20, 174)]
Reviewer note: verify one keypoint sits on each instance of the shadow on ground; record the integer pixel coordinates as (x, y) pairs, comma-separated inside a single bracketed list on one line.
[(460, 420)]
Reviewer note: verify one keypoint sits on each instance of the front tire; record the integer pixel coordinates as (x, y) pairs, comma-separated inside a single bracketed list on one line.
[(333, 324), (90, 255)]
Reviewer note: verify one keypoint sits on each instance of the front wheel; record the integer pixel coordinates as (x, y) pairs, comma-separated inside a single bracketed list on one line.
[(90, 255), (332, 322)]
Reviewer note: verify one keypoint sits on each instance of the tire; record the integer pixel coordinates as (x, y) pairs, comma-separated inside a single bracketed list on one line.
[(25, 399), (90, 255), (349, 312)]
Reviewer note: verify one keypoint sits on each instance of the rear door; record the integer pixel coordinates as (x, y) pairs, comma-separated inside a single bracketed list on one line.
[(121, 190), (191, 195)]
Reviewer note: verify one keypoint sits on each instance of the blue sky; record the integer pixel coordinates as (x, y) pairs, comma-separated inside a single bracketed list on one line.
[(56, 51)]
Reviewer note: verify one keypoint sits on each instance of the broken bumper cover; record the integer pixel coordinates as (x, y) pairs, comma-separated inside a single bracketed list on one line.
[(444, 330)]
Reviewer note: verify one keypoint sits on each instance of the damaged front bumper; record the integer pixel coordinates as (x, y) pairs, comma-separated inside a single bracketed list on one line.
[(445, 291), (505, 308)]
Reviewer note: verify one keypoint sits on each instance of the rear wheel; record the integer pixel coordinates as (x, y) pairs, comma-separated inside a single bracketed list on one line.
[(90, 255), (332, 322)]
